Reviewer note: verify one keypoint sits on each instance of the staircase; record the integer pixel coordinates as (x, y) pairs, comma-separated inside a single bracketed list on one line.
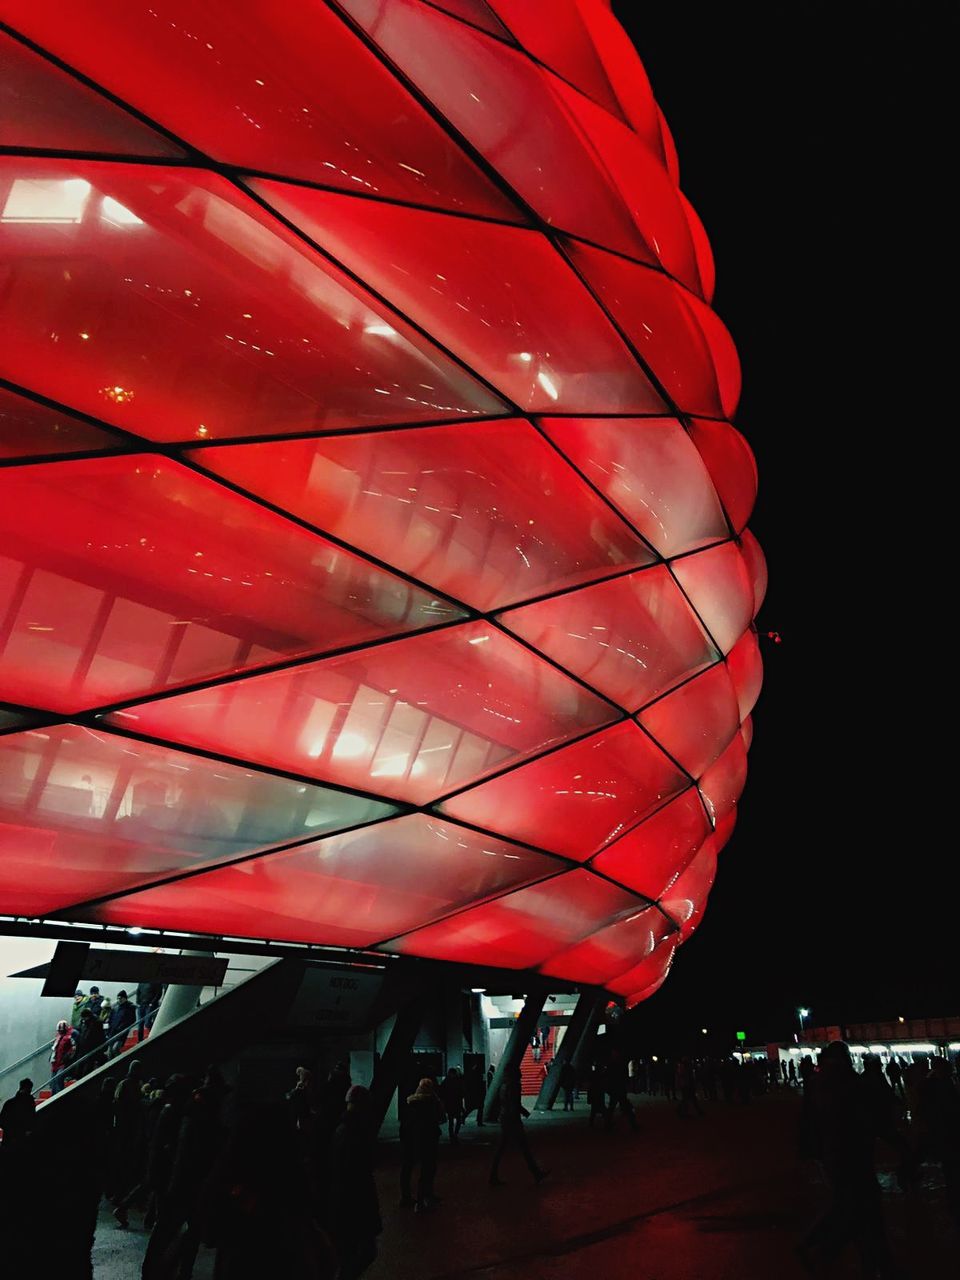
[(531, 1069)]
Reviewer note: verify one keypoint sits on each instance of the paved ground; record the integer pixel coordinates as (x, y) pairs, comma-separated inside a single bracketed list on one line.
[(697, 1199)]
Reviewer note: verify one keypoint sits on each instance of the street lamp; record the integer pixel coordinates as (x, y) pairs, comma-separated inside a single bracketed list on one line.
[(801, 1014)]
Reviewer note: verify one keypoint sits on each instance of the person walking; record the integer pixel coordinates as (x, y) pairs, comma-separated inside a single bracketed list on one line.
[(597, 1093), (355, 1206), (687, 1089), (148, 1001), (90, 1042), (94, 1002), (512, 1112), (474, 1092), (122, 1017), (451, 1094), (61, 1055), (420, 1144), (615, 1086), (568, 1083)]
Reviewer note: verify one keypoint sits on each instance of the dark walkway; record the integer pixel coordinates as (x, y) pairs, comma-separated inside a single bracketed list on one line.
[(701, 1199)]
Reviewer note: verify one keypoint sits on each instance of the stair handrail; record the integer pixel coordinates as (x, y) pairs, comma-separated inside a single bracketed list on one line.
[(27, 1057), (99, 1051)]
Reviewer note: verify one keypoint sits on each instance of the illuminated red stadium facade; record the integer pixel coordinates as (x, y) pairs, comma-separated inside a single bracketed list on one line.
[(374, 570)]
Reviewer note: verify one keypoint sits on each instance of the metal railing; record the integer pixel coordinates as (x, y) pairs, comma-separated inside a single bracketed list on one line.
[(101, 1052)]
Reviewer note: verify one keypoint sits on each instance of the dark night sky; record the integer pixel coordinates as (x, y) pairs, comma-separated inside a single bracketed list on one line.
[(817, 150)]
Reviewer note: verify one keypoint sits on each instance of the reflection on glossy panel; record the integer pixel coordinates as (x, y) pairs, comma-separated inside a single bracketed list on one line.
[(29, 429), (746, 732), (687, 896), (166, 302), (485, 511), (501, 298), (640, 982), (350, 890), (42, 106), (610, 951), (682, 341), (650, 470), (86, 813), (647, 190), (706, 268), (696, 721), (731, 464), (244, 84), (756, 563), (723, 783), (625, 72), (746, 671), (575, 800), (631, 638), (717, 583), (649, 857), (476, 11), (524, 928), (507, 108), (122, 576), (412, 719)]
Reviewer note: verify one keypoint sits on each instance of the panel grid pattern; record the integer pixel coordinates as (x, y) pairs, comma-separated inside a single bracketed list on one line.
[(374, 569)]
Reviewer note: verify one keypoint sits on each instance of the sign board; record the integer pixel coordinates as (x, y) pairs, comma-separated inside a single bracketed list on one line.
[(99, 965), (741, 1035), (330, 997)]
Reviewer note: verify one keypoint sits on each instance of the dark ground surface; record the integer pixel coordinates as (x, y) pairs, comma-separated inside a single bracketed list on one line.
[(696, 1199)]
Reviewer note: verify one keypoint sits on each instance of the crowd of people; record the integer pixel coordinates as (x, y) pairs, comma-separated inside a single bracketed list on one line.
[(98, 1030)]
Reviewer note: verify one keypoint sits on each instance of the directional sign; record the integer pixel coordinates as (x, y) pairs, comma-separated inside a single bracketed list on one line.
[(68, 968)]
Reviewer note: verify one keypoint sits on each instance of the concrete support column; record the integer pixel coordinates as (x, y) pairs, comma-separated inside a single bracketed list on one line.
[(389, 1070), (584, 1050), (453, 1027), (523, 1028), (581, 1021), (178, 1000)]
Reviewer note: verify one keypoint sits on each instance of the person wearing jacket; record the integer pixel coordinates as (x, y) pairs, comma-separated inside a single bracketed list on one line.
[(122, 1017), (420, 1143), (512, 1112), (89, 1039), (61, 1055)]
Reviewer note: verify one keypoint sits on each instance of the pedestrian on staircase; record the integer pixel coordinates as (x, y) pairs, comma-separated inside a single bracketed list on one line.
[(61, 1055), (122, 1017)]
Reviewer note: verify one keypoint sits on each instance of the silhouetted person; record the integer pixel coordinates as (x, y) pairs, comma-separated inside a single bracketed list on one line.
[(596, 1093), (420, 1143), (331, 1103), (121, 1019), (808, 1069), (303, 1101), (687, 1088), (61, 1055), (148, 1002), (839, 1126), (941, 1105), (451, 1093), (568, 1083), (615, 1084), (17, 1117), (355, 1206), (512, 1112), (895, 1076), (475, 1092), (90, 1042)]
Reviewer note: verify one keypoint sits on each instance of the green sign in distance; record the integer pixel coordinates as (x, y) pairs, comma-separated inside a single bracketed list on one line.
[(741, 1035)]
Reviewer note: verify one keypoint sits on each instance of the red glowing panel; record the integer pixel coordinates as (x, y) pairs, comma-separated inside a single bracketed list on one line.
[(44, 107), (631, 638), (682, 341), (746, 732), (651, 196), (487, 512), (524, 928), (731, 464), (717, 583), (501, 298), (506, 107), (575, 800), (350, 890), (477, 12), (625, 72), (723, 783), (30, 430), (555, 35), (86, 813), (686, 898), (640, 982), (746, 671), (412, 719), (650, 469), (706, 268), (695, 722), (647, 858), (756, 567), (165, 302), (352, 126), (610, 951), (125, 575)]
